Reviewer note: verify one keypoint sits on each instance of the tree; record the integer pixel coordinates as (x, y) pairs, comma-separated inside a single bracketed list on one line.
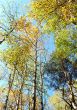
[(59, 16), (63, 73), (23, 51), (55, 12)]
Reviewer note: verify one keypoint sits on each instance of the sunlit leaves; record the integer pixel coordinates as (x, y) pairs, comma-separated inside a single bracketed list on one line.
[(17, 55), (50, 24), (44, 9), (55, 14), (25, 30), (57, 102)]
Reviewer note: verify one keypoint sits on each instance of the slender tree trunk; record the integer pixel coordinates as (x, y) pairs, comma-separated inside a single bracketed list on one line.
[(19, 105), (41, 74), (10, 87), (35, 78), (42, 107), (71, 89)]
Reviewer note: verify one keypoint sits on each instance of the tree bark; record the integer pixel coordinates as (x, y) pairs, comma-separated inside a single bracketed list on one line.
[(41, 74), (10, 87), (35, 78)]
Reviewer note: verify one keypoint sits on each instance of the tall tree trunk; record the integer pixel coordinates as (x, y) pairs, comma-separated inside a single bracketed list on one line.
[(41, 74), (35, 78)]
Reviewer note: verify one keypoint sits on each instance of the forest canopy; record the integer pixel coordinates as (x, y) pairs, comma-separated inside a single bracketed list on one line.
[(35, 76)]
